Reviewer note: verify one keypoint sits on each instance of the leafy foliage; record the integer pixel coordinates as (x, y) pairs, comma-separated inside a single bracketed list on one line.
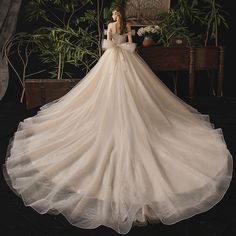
[(173, 25), (205, 17), (214, 19), (69, 35)]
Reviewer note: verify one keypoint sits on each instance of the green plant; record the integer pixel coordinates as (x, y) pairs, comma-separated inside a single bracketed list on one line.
[(205, 17), (189, 13), (214, 19), (20, 46), (174, 24), (70, 38), (67, 38)]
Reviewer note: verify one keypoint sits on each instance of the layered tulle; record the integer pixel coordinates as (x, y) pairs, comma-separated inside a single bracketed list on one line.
[(119, 149)]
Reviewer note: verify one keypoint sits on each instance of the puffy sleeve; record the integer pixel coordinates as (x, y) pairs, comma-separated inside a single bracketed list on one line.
[(107, 44), (110, 44)]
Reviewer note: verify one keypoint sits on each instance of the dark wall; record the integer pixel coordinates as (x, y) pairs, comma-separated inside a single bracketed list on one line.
[(228, 39)]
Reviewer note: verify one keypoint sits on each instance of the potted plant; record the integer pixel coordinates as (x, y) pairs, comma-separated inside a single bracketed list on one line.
[(191, 25), (149, 32)]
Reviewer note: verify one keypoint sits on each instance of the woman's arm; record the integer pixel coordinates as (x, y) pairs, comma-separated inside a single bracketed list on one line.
[(130, 40), (109, 32)]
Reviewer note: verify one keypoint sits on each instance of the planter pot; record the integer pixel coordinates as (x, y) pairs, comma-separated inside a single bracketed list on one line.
[(41, 91), (148, 41)]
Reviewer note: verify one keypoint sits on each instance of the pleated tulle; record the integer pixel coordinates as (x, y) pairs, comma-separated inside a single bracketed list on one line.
[(119, 149)]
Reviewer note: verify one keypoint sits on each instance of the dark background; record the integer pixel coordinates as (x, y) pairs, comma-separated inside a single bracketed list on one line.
[(16, 219), (226, 38)]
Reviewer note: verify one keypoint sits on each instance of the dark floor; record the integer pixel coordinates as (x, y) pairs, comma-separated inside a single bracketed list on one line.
[(16, 219)]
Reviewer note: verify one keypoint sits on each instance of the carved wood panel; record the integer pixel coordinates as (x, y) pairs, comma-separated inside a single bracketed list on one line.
[(145, 12)]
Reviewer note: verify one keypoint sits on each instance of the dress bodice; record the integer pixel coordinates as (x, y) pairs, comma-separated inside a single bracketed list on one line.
[(118, 41), (119, 38)]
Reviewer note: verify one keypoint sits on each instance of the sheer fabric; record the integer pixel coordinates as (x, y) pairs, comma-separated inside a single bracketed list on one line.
[(119, 149)]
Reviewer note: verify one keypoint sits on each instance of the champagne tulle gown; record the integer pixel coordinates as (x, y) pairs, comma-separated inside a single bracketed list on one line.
[(119, 149)]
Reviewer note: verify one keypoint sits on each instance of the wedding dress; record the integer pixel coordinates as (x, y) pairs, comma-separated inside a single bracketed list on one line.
[(119, 149)]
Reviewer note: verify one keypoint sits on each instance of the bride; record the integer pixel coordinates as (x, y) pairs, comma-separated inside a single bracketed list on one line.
[(119, 149)]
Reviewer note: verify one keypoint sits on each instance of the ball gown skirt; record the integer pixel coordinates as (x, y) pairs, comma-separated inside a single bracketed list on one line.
[(119, 149)]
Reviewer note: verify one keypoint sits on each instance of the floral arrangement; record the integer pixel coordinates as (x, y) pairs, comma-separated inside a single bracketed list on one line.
[(149, 30)]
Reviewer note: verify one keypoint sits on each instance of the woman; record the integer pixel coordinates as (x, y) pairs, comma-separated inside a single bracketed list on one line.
[(119, 149), (119, 26)]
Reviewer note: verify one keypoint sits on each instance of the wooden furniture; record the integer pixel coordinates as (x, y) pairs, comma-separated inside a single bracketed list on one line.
[(41, 91), (189, 59)]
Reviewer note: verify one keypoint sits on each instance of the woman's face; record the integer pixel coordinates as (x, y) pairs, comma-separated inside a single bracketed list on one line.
[(114, 15)]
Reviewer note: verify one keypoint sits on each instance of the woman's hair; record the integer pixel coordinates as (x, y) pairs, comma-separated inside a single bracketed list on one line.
[(121, 13)]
